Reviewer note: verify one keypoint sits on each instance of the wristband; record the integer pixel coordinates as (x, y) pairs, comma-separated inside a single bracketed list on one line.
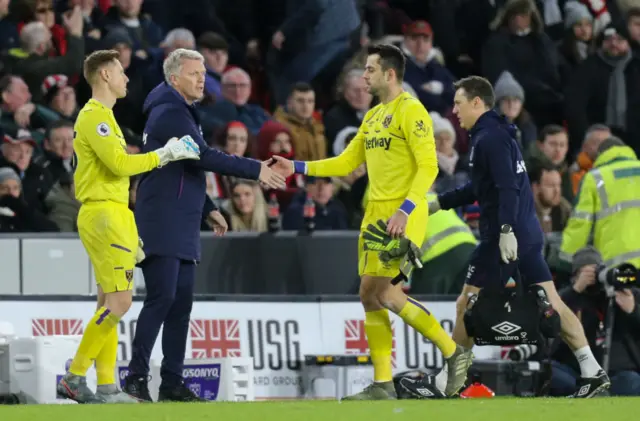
[(407, 206), (300, 167)]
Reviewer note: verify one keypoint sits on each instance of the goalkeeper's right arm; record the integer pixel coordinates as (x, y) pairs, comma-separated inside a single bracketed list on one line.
[(339, 166)]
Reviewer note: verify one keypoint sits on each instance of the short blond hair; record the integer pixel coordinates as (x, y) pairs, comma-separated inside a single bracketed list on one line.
[(96, 61)]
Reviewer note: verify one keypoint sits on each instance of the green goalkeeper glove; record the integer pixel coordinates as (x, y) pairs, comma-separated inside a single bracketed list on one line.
[(376, 239)]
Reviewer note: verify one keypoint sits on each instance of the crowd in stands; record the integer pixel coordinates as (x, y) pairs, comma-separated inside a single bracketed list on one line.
[(284, 77)]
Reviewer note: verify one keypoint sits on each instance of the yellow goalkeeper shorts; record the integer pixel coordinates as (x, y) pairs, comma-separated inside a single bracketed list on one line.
[(109, 233), (369, 261)]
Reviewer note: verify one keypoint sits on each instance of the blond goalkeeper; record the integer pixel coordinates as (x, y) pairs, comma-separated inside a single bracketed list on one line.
[(396, 142), (106, 226)]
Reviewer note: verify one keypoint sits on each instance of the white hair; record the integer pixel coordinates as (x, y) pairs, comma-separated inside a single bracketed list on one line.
[(173, 63), (32, 35), (179, 34), (235, 71)]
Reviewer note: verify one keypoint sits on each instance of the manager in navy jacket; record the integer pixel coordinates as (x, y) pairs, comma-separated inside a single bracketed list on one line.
[(168, 214)]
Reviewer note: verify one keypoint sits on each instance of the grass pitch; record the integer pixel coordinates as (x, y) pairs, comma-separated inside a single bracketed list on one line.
[(497, 409)]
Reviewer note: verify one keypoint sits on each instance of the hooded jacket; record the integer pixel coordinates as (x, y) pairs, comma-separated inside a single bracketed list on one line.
[(170, 199)]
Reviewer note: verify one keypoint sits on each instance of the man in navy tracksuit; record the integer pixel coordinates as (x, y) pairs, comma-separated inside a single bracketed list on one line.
[(510, 233), (168, 213)]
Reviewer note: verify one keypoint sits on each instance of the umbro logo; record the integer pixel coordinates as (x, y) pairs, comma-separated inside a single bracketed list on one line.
[(424, 392), (506, 328), (584, 390)]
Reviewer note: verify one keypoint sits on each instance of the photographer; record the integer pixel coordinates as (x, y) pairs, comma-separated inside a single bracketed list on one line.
[(587, 297)]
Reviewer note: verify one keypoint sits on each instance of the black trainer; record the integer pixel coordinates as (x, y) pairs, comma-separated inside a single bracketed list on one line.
[(178, 393), (424, 388), (137, 386), (591, 386)]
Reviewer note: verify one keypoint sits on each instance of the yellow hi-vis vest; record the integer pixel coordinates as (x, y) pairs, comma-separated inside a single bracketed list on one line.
[(607, 208), (445, 231)]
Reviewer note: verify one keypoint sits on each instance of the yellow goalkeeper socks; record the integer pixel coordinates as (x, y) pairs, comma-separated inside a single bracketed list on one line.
[(380, 337), (95, 335), (415, 315), (106, 359)]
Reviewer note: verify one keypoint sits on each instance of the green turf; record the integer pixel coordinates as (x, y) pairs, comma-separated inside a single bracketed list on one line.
[(498, 409)]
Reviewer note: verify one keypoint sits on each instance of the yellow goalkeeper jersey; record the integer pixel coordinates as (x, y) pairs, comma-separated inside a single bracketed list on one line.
[(100, 159), (396, 142)]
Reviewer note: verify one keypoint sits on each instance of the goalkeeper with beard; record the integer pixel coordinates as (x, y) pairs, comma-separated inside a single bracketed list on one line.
[(396, 142)]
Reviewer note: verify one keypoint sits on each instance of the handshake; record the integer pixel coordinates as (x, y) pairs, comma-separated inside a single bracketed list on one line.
[(178, 149)]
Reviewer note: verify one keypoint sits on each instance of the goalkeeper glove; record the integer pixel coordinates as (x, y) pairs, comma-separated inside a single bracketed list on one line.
[(178, 149), (140, 252), (376, 239)]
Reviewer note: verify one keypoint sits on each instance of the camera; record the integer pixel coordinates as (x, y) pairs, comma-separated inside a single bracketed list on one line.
[(522, 352), (620, 277)]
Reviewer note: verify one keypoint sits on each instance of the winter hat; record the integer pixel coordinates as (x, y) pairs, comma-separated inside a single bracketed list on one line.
[(575, 12), (51, 85), (116, 36), (508, 87), (8, 173), (441, 124), (588, 255), (267, 135)]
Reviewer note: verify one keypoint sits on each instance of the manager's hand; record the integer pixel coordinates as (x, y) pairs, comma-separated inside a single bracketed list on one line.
[(218, 223), (508, 247), (282, 166), (271, 178)]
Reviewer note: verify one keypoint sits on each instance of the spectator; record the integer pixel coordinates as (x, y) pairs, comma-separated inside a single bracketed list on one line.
[(604, 89), (234, 140), (432, 81), (62, 204), (330, 213), (215, 51), (247, 208), (144, 33), (520, 46), (275, 138), (596, 134), (236, 89), (17, 151), (15, 214), (577, 43), (348, 113), (551, 150), (92, 16), (633, 27), (19, 112), (58, 150), (8, 29), (60, 97), (176, 38), (551, 13), (313, 37), (552, 209), (29, 11), (452, 170), (309, 143), (32, 61), (510, 102)]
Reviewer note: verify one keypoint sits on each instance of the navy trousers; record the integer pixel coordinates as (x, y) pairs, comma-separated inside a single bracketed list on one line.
[(169, 282)]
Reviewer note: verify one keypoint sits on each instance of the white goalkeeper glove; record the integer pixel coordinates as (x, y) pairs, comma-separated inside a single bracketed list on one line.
[(508, 247), (178, 149), (434, 206), (140, 253)]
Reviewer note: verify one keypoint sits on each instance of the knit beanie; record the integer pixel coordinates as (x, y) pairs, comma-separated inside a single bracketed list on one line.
[(508, 87)]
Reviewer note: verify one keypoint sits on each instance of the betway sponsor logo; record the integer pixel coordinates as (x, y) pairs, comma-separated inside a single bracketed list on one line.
[(378, 142), (201, 372)]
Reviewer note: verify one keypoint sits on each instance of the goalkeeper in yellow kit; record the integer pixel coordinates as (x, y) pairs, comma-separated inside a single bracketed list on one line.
[(396, 142), (106, 226)]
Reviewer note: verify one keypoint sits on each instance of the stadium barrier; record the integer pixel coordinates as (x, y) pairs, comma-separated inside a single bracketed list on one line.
[(276, 335)]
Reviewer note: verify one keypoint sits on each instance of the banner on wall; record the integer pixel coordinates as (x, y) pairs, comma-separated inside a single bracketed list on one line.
[(276, 335)]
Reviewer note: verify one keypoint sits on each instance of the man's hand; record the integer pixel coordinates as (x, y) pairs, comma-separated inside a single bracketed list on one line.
[(22, 116), (218, 223), (74, 21), (626, 301), (397, 224), (508, 247), (376, 238), (178, 149), (271, 178), (277, 40), (434, 206), (140, 256), (586, 277), (281, 165)]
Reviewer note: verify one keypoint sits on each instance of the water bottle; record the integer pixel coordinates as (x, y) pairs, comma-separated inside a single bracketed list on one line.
[(273, 213), (309, 214)]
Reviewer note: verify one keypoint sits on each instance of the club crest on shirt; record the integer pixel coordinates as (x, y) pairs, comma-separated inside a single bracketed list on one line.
[(387, 121), (129, 275), (103, 129)]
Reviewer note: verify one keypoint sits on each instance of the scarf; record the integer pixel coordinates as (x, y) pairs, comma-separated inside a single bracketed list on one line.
[(448, 163), (617, 95)]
